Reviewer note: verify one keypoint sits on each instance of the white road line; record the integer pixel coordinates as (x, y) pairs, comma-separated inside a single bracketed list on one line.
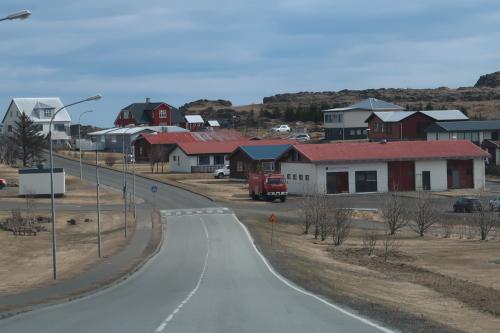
[(164, 323), (305, 292)]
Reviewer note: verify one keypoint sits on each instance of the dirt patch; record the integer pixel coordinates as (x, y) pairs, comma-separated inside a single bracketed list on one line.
[(412, 297)]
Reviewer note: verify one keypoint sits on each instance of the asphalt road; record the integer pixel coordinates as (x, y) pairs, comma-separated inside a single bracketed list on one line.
[(207, 277)]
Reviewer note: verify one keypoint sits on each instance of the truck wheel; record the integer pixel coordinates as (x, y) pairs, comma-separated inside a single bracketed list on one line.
[(254, 196), (221, 175), (270, 198), (282, 199)]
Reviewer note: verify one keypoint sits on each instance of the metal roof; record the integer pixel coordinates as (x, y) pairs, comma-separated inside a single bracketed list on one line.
[(27, 105), (445, 114), (464, 126), (268, 152), (138, 129), (213, 123), (372, 104), (393, 116), (194, 119), (390, 151), (173, 138)]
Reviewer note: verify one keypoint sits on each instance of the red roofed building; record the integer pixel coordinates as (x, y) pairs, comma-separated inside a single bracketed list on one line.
[(166, 142), (198, 156), (381, 167)]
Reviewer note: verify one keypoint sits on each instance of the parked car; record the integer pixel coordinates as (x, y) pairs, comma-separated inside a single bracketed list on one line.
[(3, 183), (281, 128), (222, 172), (467, 205), (495, 203), (300, 137)]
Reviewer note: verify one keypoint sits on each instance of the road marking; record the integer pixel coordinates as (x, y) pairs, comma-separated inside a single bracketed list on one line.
[(191, 294), (305, 292)]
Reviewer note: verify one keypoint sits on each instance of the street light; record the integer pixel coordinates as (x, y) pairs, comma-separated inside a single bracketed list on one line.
[(125, 158), (20, 15), (80, 140), (54, 261)]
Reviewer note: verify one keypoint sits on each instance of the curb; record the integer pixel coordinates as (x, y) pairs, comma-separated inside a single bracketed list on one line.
[(170, 183)]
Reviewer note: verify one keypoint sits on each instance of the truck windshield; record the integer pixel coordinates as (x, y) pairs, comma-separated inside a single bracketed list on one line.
[(275, 180)]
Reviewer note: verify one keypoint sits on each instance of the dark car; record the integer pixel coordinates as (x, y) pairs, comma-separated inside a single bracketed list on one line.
[(467, 205)]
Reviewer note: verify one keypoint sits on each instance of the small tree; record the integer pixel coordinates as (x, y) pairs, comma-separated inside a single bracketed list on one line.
[(389, 245), (425, 213), (307, 210), (110, 160), (340, 221), (484, 221), (394, 212), (28, 140), (370, 242)]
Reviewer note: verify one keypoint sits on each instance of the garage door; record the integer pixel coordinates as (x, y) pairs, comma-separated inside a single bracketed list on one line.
[(337, 182), (401, 176)]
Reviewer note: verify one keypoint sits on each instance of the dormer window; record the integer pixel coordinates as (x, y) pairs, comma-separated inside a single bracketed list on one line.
[(47, 113)]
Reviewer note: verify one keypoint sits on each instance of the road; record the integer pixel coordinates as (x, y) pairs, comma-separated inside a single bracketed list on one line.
[(207, 277)]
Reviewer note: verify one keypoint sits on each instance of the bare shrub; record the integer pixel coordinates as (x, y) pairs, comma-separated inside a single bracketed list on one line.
[(370, 241), (447, 227), (483, 221), (340, 220), (110, 160), (319, 216), (424, 213), (394, 212), (307, 209), (16, 220), (390, 245)]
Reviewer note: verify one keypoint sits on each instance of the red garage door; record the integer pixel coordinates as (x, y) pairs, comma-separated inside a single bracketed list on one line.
[(401, 176), (460, 173)]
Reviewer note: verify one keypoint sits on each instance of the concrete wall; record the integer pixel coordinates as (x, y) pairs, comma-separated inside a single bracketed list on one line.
[(437, 168), (479, 173), (297, 186), (182, 162)]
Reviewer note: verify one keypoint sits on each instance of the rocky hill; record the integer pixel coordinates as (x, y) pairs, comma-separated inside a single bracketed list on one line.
[(489, 80)]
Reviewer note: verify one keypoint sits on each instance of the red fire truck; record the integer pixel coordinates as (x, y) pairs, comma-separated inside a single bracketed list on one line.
[(270, 186)]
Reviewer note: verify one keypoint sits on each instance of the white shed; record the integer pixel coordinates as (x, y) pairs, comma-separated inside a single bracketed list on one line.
[(36, 182)]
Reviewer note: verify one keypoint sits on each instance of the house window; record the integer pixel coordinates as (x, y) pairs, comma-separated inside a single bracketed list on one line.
[(301, 177), (9, 128), (239, 166), (334, 117), (294, 176), (268, 166), (366, 181), (288, 176), (475, 136), (163, 114), (358, 132), (307, 177), (126, 114), (218, 159), (204, 160), (113, 138), (352, 132), (47, 113), (174, 158), (59, 127)]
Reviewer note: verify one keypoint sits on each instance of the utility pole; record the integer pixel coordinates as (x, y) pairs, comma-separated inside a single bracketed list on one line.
[(80, 141), (98, 204)]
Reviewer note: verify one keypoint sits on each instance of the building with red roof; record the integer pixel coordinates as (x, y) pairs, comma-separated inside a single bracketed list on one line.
[(381, 167)]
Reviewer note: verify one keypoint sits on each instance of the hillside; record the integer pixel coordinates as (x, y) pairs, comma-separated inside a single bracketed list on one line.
[(480, 101)]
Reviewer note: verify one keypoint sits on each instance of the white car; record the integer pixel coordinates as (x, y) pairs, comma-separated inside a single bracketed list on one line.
[(300, 137), (495, 203), (221, 173), (281, 128)]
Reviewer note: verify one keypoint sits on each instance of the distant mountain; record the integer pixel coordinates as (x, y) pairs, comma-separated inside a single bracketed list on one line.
[(489, 80)]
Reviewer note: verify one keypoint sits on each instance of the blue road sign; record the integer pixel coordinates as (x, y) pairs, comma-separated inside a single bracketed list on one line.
[(154, 188)]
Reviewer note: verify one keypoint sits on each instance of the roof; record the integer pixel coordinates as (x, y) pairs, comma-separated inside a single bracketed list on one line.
[(213, 123), (267, 152), (140, 112), (138, 129), (392, 116), (173, 138), (470, 125), (441, 115), (390, 151), (372, 104), (26, 106), (192, 119), (224, 147)]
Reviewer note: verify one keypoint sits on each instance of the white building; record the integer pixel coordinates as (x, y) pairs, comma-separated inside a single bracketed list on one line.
[(380, 167), (349, 123), (40, 111), (36, 182)]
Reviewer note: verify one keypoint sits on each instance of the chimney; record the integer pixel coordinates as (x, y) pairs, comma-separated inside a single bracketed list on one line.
[(148, 100)]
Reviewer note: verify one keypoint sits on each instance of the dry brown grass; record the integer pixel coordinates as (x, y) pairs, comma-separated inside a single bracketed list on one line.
[(448, 281)]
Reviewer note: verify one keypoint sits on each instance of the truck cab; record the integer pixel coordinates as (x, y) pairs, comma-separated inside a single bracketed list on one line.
[(267, 187)]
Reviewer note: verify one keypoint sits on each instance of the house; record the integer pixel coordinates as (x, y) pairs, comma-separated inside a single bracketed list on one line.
[(386, 166), (474, 130), (349, 123), (40, 110), (144, 144), (407, 125), (113, 139), (213, 124), (252, 158), (149, 114), (208, 156), (194, 122)]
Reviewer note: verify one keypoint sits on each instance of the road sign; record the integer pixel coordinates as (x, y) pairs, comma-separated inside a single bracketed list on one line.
[(154, 188), (272, 218)]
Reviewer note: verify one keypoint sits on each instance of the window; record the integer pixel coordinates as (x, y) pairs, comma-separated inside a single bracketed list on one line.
[(288, 176), (366, 181), (352, 132), (487, 135), (113, 138), (9, 128), (461, 136), (294, 177), (218, 159), (468, 136), (204, 160), (59, 127), (174, 157), (239, 166), (47, 113), (301, 177), (475, 136), (126, 114), (268, 166), (334, 117), (358, 132), (163, 114), (307, 177)]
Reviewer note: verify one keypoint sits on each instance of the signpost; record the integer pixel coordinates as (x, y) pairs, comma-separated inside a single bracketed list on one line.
[(154, 189), (272, 219)]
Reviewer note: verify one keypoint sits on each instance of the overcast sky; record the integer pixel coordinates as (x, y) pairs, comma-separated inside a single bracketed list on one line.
[(180, 51)]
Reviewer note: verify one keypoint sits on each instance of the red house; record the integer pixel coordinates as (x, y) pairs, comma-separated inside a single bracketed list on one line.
[(407, 125), (150, 114)]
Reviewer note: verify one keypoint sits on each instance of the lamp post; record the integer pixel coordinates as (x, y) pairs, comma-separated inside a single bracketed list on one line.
[(125, 158), (80, 140), (53, 208), (20, 15), (97, 201)]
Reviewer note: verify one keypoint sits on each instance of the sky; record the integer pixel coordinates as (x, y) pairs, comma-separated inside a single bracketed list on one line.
[(180, 51)]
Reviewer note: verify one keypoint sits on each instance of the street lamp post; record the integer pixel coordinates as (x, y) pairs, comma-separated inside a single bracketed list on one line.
[(53, 208), (125, 158), (20, 15), (80, 141), (97, 201)]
